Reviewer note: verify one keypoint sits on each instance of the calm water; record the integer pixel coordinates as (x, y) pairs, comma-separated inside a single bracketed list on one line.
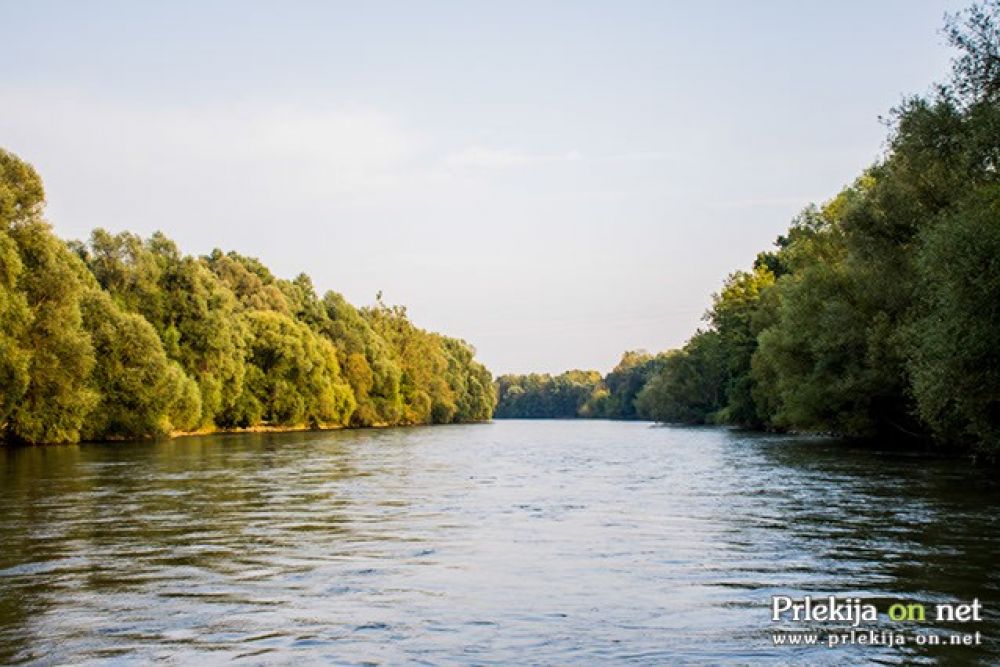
[(550, 542)]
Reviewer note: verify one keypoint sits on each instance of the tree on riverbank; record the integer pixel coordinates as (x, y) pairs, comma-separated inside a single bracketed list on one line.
[(878, 313), (124, 337)]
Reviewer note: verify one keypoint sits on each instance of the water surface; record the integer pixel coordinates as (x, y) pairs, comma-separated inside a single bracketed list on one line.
[(516, 542)]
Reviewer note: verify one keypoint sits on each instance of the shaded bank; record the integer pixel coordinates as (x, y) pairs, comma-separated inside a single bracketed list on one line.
[(875, 315)]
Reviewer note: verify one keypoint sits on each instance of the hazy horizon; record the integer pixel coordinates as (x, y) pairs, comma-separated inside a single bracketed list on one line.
[(555, 184)]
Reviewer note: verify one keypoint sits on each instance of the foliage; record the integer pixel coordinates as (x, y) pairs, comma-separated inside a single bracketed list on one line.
[(141, 392), (439, 380), (879, 317), (690, 387), (623, 385), (876, 314), (954, 359), (537, 396), (125, 337), (293, 375)]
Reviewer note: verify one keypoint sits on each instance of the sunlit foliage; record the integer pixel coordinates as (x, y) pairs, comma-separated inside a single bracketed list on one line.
[(124, 337)]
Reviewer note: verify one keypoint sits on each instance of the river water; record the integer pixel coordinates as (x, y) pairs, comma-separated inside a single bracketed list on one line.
[(515, 542)]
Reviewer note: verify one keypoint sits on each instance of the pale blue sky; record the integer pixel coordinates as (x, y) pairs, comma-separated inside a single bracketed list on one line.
[(555, 182)]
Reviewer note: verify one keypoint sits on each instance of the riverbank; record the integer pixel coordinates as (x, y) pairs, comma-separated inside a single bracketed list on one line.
[(307, 429), (242, 431)]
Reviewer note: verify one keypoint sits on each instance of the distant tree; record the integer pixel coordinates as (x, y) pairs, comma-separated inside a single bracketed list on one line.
[(544, 396), (690, 386)]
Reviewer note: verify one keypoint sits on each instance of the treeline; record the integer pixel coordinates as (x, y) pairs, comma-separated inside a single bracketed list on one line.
[(878, 313), (579, 393), (124, 337)]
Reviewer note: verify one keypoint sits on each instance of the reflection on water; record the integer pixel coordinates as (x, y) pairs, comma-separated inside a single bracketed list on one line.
[(548, 542)]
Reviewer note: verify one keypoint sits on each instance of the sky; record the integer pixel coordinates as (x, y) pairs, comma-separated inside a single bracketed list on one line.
[(554, 182)]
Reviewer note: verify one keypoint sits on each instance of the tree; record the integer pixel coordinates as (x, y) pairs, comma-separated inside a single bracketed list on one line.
[(15, 317), (622, 385), (192, 310), (189, 343), (57, 397), (954, 359), (369, 363), (690, 386), (745, 307), (294, 375), (543, 396), (141, 392)]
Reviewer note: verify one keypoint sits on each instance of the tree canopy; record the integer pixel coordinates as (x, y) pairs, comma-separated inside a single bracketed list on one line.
[(877, 313), (124, 337)]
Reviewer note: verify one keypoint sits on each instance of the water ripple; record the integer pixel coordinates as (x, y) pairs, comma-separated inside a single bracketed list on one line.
[(507, 543)]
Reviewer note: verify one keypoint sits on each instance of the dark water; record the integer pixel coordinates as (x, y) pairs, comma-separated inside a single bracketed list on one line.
[(553, 542)]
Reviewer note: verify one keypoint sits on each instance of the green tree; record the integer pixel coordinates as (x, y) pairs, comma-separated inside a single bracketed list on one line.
[(141, 392), (58, 397), (535, 396), (21, 200), (294, 375), (368, 360), (954, 358), (195, 314), (690, 386), (740, 311)]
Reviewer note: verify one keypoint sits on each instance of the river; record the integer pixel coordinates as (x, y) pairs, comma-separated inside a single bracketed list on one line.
[(514, 542)]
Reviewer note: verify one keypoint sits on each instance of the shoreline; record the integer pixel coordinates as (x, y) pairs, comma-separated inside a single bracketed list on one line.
[(177, 435)]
